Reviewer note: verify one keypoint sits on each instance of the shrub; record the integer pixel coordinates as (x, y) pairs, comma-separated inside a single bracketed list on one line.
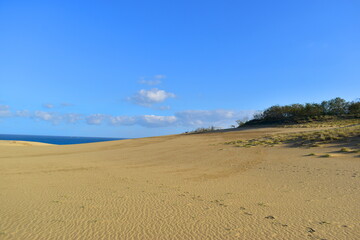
[(308, 112), (203, 130)]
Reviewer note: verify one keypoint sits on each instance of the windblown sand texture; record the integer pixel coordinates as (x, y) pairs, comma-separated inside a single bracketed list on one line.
[(179, 187)]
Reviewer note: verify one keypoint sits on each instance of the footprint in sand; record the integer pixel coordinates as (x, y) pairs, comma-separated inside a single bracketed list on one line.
[(270, 217), (261, 204), (219, 203), (245, 212), (279, 224), (310, 230), (312, 234)]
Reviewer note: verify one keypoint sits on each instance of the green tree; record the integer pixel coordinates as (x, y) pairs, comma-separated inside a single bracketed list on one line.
[(354, 107), (336, 106)]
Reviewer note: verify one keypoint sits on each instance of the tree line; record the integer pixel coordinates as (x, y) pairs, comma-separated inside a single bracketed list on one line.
[(336, 107)]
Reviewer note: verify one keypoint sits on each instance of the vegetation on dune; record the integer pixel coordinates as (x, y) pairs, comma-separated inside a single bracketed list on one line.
[(327, 111), (341, 116), (348, 150), (333, 113), (309, 139), (203, 130), (324, 122), (344, 149)]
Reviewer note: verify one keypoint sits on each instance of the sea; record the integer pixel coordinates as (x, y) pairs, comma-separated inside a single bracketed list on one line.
[(59, 140)]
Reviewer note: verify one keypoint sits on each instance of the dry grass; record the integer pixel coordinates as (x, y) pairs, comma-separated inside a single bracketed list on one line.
[(325, 124), (203, 130), (309, 139), (348, 150), (344, 149)]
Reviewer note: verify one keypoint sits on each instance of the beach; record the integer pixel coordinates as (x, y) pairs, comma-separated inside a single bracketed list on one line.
[(186, 186)]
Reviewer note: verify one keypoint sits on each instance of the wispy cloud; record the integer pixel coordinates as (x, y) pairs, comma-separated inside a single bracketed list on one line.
[(48, 105), (147, 98), (122, 120), (155, 80), (72, 117), (46, 116), (189, 118), (160, 76), (96, 119), (163, 108), (218, 117), (156, 121), (143, 120), (22, 113), (53, 117), (65, 104), (51, 106), (150, 82), (5, 111)]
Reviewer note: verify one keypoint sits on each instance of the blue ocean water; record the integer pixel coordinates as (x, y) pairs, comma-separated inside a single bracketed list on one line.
[(60, 140)]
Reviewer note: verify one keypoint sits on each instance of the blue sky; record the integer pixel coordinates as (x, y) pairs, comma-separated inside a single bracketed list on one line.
[(146, 68)]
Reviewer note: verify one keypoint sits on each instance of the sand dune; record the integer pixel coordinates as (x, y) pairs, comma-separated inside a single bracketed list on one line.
[(21, 143), (178, 187)]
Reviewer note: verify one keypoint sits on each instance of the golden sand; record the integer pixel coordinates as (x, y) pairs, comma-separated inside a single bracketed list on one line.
[(178, 187)]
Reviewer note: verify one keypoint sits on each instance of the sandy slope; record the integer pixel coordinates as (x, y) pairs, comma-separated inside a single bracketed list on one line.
[(20, 143), (178, 187)]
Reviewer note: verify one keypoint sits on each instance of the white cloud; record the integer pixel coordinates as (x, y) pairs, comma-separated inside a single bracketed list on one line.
[(5, 111), (189, 118), (22, 113), (53, 117), (150, 82), (72, 117), (65, 104), (122, 120), (160, 76), (147, 98), (46, 116), (143, 120), (218, 118), (96, 119), (48, 105), (163, 108), (154, 81), (157, 121)]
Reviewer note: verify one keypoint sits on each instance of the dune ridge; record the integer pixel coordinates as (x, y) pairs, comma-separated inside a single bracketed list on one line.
[(179, 187), (17, 143)]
